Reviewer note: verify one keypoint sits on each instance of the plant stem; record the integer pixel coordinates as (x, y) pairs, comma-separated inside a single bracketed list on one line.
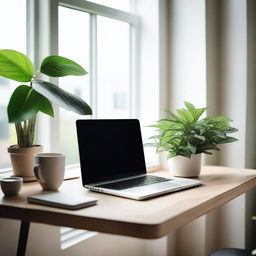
[(25, 131)]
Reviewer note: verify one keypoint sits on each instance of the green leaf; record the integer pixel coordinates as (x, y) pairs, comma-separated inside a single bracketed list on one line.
[(194, 111), (192, 148), (150, 145), (202, 128), (207, 152), (200, 137), (25, 102), (57, 66), (191, 109), (175, 117), (199, 112), (185, 115), (171, 154), (231, 130), (159, 126), (209, 146), (216, 119), (228, 140), (183, 151), (16, 66), (62, 98)]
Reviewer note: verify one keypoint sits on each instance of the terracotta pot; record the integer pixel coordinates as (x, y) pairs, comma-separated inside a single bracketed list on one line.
[(181, 166), (23, 160)]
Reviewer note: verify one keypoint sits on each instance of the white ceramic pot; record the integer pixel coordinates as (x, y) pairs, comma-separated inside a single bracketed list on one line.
[(181, 166)]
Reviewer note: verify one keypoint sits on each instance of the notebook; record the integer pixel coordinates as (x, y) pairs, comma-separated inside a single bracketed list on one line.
[(112, 160), (61, 200)]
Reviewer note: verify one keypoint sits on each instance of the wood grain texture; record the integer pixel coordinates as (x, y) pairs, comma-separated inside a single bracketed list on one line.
[(151, 218)]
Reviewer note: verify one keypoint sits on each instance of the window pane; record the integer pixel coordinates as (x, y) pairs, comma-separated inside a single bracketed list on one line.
[(123, 5), (73, 44), (13, 36), (113, 68)]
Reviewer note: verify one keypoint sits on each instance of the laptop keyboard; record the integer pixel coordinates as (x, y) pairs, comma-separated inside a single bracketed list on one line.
[(136, 182)]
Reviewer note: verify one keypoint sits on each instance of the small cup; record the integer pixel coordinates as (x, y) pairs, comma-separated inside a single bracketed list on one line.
[(49, 170), (11, 186)]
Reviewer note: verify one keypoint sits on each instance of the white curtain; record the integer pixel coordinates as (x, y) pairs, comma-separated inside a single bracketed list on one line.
[(212, 62)]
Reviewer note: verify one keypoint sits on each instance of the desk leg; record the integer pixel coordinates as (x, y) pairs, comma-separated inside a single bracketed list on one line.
[(23, 238)]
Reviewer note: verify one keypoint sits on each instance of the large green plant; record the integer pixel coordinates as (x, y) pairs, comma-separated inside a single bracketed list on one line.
[(184, 134), (37, 95)]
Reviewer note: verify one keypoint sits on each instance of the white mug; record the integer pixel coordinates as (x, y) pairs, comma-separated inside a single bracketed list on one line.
[(49, 170)]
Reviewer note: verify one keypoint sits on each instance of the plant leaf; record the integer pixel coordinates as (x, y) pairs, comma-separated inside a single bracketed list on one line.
[(174, 116), (200, 137), (62, 98), (57, 66), (199, 112), (150, 145), (192, 148), (25, 102), (185, 115), (171, 154), (16, 66), (231, 130), (228, 140), (190, 107), (207, 152), (215, 119)]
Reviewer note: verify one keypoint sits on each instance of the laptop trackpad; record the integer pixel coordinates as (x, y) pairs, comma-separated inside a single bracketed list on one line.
[(153, 188)]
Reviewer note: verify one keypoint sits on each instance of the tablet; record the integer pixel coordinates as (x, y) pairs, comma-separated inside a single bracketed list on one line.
[(61, 200)]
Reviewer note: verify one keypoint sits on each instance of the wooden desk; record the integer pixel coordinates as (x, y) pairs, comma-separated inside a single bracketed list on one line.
[(152, 218)]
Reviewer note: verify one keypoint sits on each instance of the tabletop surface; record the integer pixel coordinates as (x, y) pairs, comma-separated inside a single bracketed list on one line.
[(151, 218)]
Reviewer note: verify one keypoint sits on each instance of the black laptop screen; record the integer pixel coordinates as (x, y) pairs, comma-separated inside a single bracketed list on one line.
[(110, 149)]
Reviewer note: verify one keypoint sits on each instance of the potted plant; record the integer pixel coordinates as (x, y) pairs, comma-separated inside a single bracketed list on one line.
[(33, 96), (185, 138)]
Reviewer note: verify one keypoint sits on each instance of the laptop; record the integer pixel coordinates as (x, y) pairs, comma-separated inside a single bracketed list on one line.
[(112, 160)]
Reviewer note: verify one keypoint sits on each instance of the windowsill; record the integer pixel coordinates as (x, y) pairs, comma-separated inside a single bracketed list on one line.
[(72, 171), (5, 173), (153, 168)]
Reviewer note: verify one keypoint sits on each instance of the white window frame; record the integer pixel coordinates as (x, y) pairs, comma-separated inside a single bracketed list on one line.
[(94, 10), (48, 25)]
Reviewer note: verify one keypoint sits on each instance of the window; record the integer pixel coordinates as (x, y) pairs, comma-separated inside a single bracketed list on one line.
[(103, 45), (103, 36), (13, 36), (73, 44)]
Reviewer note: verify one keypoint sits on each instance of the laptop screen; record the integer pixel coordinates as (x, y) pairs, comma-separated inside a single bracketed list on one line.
[(110, 149)]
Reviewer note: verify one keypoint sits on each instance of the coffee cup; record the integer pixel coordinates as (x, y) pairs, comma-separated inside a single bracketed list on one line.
[(49, 170), (11, 186)]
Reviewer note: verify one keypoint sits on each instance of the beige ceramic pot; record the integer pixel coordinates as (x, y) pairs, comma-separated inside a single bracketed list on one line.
[(23, 160), (181, 166)]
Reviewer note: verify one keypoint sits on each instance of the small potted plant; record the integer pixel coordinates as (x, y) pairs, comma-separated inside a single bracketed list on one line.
[(184, 137), (33, 97)]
